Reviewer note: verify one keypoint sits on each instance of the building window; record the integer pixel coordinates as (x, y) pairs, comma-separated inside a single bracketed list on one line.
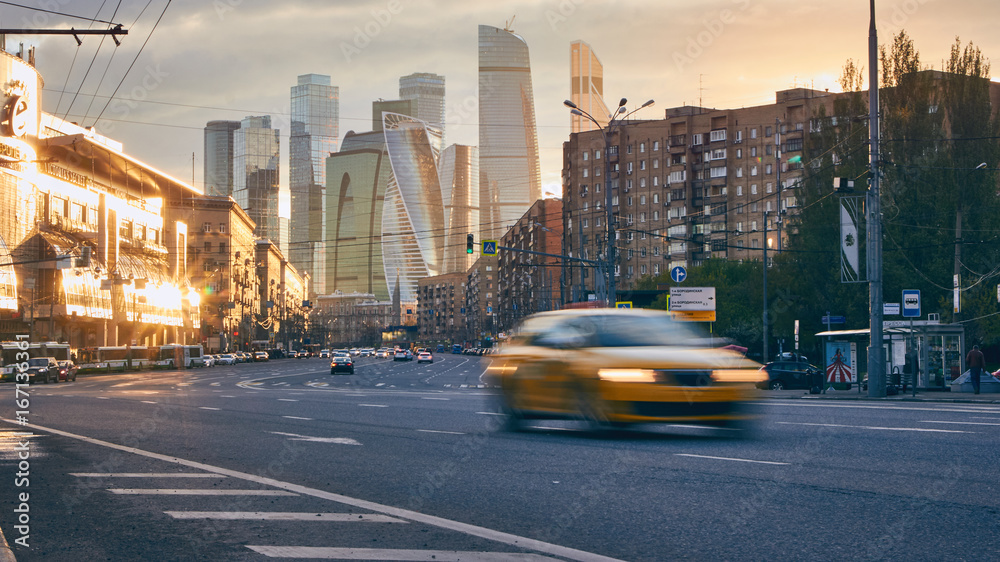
[(739, 172), (656, 146), (656, 163), (586, 172), (222, 227), (597, 155), (208, 246), (656, 198), (753, 152), (767, 150), (206, 227), (717, 135), (656, 215), (642, 164), (642, 199), (586, 156), (597, 172), (642, 217), (642, 182), (769, 169), (770, 188), (656, 181), (586, 223), (222, 247), (739, 190), (753, 189), (753, 171), (767, 132), (696, 139), (753, 133)]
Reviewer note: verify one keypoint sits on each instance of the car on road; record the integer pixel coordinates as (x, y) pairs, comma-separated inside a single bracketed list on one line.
[(209, 360), (402, 355), (342, 364), (382, 353), (324, 354), (43, 369), (791, 374), (67, 370), (302, 354), (261, 356), (226, 359), (612, 367), (425, 357)]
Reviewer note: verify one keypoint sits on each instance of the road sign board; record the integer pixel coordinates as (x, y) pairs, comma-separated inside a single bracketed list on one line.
[(489, 247), (911, 304), (692, 298), (834, 320), (623, 304), (890, 309), (678, 274), (694, 315)]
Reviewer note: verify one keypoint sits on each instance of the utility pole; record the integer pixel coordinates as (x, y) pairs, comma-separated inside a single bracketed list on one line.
[(764, 358), (876, 357)]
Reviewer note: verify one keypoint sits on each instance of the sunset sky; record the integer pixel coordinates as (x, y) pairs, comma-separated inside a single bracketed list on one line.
[(226, 59)]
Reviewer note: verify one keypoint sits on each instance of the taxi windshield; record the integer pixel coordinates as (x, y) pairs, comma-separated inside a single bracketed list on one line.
[(610, 330)]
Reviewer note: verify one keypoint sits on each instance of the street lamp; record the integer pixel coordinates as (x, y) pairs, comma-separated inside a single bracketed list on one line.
[(607, 130), (958, 241)]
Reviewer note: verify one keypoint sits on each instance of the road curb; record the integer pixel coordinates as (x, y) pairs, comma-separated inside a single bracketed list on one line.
[(889, 399), (6, 554)]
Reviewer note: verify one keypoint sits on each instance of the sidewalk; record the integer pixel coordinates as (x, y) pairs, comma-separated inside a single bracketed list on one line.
[(922, 396)]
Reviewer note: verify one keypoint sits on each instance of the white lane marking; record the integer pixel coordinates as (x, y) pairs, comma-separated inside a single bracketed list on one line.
[(433, 398), (877, 428), (195, 492), (815, 403), (216, 384), (331, 553), (491, 414), (437, 431), (297, 418), (728, 459), (309, 438), (374, 405), (287, 400), (984, 418), (148, 402), (208, 408), (285, 516), (226, 396), (959, 422), (103, 398), (416, 516), (145, 475)]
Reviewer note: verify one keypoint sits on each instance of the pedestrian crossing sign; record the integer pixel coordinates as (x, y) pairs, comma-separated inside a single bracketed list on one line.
[(489, 247)]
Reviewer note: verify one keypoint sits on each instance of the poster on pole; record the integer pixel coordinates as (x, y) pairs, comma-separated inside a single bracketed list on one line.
[(850, 263), (841, 365)]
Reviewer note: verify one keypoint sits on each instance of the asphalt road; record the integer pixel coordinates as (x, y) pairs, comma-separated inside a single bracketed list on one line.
[(407, 462)]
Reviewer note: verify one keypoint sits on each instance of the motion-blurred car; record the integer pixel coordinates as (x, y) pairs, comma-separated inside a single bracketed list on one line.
[(324, 354), (261, 356), (425, 357), (612, 367), (225, 359), (791, 374), (402, 355), (43, 369), (209, 360), (342, 364), (67, 370), (302, 354)]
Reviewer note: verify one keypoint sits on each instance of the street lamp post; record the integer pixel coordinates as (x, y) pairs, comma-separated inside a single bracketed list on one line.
[(608, 130)]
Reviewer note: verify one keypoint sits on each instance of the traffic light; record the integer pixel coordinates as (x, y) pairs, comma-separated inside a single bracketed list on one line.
[(470, 242)]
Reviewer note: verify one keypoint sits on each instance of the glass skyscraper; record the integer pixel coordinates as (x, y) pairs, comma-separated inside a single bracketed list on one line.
[(219, 157), (458, 170), (255, 173), (413, 224), (586, 86), (428, 92), (509, 171), (315, 130)]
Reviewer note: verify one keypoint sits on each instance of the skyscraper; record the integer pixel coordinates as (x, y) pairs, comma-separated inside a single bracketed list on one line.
[(509, 172), (413, 229), (219, 157), (586, 86), (458, 170), (357, 177), (255, 173), (315, 120), (428, 92)]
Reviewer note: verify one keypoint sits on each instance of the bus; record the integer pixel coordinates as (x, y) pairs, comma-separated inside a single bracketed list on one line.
[(10, 349), (456, 348), (186, 356)]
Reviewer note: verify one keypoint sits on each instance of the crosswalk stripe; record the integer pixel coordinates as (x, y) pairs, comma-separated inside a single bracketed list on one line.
[(331, 553), (198, 492), (285, 516), (145, 475)]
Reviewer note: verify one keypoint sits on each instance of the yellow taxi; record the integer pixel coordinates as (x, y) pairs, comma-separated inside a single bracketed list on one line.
[(613, 367)]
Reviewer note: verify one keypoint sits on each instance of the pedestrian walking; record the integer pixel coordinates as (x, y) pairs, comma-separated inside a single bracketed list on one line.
[(975, 362)]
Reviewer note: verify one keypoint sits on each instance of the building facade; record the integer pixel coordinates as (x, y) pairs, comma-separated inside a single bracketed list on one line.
[(586, 75), (427, 92), (357, 178), (699, 183), (459, 178), (281, 321), (526, 282), (441, 308), (351, 319), (315, 130), (413, 227), (218, 176), (481, 299), (256, 156), (509, 170)]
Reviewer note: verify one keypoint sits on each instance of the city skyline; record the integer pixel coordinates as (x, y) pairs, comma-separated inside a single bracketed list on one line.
[(725, 53)]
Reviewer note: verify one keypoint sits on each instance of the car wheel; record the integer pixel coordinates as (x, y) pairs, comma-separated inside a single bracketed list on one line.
[(777, 385), (593, 412)]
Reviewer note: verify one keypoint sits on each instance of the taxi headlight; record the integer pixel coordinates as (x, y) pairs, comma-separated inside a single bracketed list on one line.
[(739, 375), (627, 375)]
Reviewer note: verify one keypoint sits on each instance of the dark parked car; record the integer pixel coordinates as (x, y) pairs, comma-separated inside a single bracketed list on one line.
[(342, 364), (43, 369), (783, 375)]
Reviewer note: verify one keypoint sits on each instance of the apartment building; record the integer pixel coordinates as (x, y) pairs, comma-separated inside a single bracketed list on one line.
[(528, 281), (441, 308)]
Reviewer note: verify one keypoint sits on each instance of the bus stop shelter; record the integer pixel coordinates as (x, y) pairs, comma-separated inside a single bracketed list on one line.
[(939, 348)]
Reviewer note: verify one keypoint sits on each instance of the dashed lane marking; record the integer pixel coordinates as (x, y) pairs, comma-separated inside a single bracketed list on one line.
[(285, 516), (297, 418), (439, 431), (196, 492), (331, 553), (145, 475), (877, 428), (728, 459)]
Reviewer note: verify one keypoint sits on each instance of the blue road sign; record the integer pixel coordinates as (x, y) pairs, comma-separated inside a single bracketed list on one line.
[(835, 320), (489, 247), (678, 274), (911, 303)]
